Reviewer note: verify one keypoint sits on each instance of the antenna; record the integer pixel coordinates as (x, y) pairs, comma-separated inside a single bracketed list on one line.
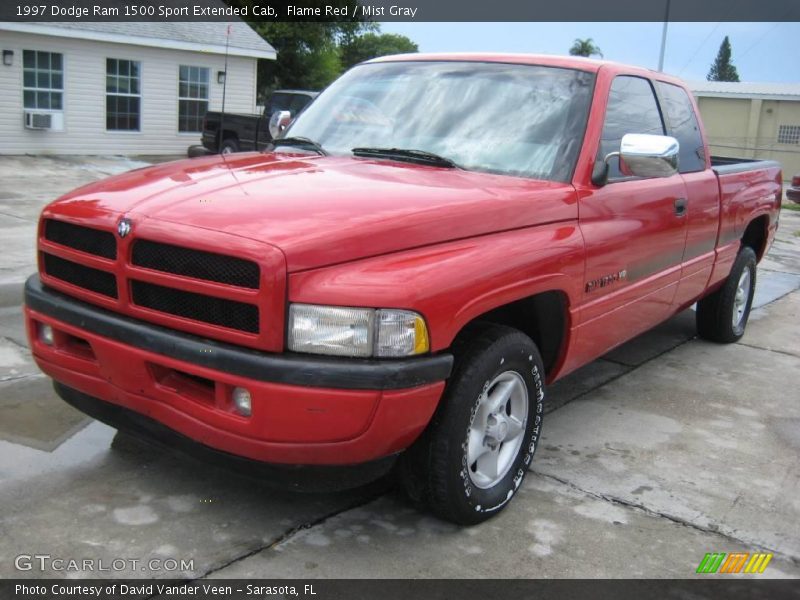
[(224, 87)]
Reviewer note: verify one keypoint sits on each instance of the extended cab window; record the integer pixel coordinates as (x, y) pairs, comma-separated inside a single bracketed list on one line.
[(632, 108), (682, 125)]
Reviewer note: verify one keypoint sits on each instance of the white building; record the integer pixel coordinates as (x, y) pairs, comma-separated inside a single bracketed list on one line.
[(120, 88), (752, 120)]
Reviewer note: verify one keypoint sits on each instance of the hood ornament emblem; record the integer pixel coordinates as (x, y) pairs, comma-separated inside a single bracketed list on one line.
[(124, 227)]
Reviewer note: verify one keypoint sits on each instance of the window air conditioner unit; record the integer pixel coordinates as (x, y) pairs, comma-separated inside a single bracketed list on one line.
[(38, 120)]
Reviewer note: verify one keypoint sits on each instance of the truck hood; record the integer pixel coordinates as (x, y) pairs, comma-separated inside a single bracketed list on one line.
[(326, 210)]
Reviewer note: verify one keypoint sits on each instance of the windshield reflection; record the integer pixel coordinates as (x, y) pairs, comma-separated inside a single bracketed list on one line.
[(524, 120)]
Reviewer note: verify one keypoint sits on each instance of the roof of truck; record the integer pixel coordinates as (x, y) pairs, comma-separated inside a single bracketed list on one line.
[(311, 93), (580, 63), (573, 62)]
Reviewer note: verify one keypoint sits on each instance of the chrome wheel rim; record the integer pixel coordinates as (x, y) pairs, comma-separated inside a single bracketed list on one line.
[(497, 429), (227, 150), (741, 298)]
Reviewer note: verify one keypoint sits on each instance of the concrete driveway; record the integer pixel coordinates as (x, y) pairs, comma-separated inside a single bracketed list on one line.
[(662, 451)]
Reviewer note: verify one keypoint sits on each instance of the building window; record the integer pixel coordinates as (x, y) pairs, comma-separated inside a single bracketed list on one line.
[(43, 80), (192, 98), (789, 134), (123, 95)]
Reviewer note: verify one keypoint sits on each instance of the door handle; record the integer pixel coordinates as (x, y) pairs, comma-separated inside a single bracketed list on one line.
[(680, 206)]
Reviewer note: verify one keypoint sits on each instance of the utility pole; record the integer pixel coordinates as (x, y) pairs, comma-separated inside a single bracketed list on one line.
[(664, 39)]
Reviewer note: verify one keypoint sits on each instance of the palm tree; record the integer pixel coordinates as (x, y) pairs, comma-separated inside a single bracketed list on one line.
[(585, 48)]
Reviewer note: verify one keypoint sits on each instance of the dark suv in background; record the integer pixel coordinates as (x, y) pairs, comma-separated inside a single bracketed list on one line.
[(793, 193), (250, 132)]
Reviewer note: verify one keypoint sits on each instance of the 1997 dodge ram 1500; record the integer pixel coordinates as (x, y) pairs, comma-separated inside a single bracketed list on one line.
[(434, 241)]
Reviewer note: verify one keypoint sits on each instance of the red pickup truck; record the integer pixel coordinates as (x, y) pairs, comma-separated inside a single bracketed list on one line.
[(434, 241)]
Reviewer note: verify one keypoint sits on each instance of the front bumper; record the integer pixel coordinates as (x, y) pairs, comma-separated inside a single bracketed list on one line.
[(305, 410)]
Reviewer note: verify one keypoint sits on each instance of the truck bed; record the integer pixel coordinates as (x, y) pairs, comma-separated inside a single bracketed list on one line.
[(726, 164), (748, 190)]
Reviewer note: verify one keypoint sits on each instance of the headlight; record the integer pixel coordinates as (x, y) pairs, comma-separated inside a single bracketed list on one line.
[(341, 331)]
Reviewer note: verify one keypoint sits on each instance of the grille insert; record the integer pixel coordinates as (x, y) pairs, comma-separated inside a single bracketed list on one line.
[(198, 307), (85, 239), (95, 280), (198, 264)]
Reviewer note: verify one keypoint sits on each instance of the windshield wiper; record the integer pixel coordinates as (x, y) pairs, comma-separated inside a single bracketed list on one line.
[(414, 156), (300, 142)]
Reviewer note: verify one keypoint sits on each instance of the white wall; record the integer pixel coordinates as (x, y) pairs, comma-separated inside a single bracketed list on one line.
[(85, 104), (748, 127)]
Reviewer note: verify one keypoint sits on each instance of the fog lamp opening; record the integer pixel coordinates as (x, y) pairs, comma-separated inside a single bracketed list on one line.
[(242, 401), (46, 335)]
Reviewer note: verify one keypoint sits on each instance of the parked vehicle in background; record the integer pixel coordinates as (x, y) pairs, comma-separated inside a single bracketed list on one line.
[(397, 283), (250, 132), (793, 193)]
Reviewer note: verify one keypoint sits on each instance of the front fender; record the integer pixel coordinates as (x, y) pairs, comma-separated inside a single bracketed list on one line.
[(451, 284)]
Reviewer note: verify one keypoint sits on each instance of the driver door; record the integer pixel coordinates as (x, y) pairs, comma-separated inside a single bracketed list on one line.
[(634, 231)]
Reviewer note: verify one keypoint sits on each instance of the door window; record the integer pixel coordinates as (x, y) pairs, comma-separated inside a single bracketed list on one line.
[(632, 108)]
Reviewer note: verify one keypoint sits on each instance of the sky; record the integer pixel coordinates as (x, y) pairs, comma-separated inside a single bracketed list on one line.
[(762, 52)]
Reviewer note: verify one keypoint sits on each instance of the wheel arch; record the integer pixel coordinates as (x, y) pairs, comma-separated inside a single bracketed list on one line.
[(228, 134), (542, 316), (756, 234)]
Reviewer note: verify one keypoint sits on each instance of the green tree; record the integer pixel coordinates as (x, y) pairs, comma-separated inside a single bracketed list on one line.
[(308, 51), (722, 69), (371, 45), (585, 47)]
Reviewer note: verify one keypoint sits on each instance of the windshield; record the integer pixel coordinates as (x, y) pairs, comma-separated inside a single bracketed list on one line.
[(522, 120)]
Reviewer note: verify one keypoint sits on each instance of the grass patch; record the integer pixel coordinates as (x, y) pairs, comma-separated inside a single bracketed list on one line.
[(791, 206)]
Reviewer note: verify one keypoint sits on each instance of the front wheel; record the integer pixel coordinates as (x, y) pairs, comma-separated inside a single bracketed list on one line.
[(722, 316), (475, 454)]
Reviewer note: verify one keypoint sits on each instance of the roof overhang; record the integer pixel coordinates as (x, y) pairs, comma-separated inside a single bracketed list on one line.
[(747, 96), (135, 40)]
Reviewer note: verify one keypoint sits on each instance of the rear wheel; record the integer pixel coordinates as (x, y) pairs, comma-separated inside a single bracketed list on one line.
[(229, 146), (722, 316), (474, 456)]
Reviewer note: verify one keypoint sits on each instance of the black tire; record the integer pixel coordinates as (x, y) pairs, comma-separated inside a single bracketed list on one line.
[(229, 145), (435, 470), (715, 312)]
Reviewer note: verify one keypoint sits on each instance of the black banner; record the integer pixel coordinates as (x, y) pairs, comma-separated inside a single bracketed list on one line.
[(394, 589), (402, 10)]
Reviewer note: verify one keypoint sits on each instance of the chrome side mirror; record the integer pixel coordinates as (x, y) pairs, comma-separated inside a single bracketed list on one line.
[(641, 155), (279, 121), (645, 155)]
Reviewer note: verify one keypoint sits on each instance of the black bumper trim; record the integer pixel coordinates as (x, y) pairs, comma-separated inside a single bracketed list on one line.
[(290, 369), (300, 478)]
